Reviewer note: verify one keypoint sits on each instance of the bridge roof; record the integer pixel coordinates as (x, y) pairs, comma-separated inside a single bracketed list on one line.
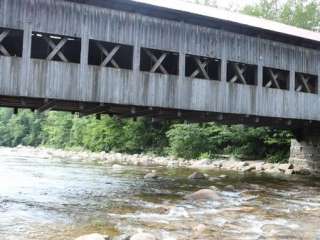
[(213, 17)]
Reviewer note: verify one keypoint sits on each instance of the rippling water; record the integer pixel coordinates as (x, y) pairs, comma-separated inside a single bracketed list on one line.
[(43, 199)]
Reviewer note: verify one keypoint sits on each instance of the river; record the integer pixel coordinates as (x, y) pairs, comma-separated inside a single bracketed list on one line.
[(42, 199)]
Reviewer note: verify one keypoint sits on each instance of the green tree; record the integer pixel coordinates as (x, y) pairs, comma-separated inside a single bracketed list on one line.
[(299, 13), (57, 129)]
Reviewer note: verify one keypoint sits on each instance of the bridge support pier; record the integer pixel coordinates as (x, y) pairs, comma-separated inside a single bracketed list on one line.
[(305, 149)]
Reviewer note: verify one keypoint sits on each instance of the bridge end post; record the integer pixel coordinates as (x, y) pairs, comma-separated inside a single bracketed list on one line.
[(305, 149)]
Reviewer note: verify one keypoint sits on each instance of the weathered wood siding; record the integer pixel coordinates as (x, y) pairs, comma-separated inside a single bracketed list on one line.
[(80, 82)]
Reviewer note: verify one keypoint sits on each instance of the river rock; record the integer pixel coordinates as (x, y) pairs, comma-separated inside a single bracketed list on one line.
[(214, 179), (94, 236), (214, 188), (199, 229), (143, 236), (151, 175), (229, 188), (197, 176), (204, 195), (285, 167), (289, 172), (122, 237), (249, 168), (117, 166), (223, 176), (302, 171), (178, 212)]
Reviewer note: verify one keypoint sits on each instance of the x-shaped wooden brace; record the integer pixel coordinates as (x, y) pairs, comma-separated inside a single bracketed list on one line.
[(56, 48), (273, 79), (157, 61), (239, 71), (201, 68), (109, 56), (3, 50), (304, 83)]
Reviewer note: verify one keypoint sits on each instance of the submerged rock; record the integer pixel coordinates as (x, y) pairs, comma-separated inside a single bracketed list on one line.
[(94, 236), (117, 166), (143, 236), (204, 195), (123, 237), (214, 179), (229, 188), (199, 229), (151, 175), (197, 175), (223, 176), (178, 212), (214, 188)]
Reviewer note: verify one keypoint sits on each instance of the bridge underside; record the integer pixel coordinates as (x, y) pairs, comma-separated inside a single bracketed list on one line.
[(157, 114)]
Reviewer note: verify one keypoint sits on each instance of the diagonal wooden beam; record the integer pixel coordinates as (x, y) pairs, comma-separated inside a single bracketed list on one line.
[(155, 59), (159, 62), (4, 34), (305, 82), (53, 46), (48, 105), (110, 57), (239, 73), (57, 49), (3, 50), (106, 53), (274, 79), (197, 71), (201, 67)]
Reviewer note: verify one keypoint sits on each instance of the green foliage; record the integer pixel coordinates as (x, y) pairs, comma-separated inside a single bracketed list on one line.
[(24, 128), (56, 129), (299, 13), (187, 141), (63, 130), (195, 141)]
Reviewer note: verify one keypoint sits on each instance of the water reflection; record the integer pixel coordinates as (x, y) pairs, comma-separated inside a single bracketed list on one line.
[(54, 199)]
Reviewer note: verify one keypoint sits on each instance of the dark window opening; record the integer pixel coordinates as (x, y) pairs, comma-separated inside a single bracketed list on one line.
[(108, 54), (242, 73), (203, 67), (158, 61), (276, 78), (55, 47), (11, 42), (306, 83)]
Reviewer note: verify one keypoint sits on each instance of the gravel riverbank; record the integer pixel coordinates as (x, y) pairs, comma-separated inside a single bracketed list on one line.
[(118, 159)]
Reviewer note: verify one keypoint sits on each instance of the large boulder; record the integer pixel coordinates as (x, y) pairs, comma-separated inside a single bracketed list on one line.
[(204, 195), (197, 176), (94, 236), (143, 236)]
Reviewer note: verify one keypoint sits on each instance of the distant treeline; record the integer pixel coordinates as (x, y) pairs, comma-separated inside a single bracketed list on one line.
[(64, 130)]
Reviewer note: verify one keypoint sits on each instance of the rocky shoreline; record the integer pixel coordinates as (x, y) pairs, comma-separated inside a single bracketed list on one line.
[(116, 159)]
